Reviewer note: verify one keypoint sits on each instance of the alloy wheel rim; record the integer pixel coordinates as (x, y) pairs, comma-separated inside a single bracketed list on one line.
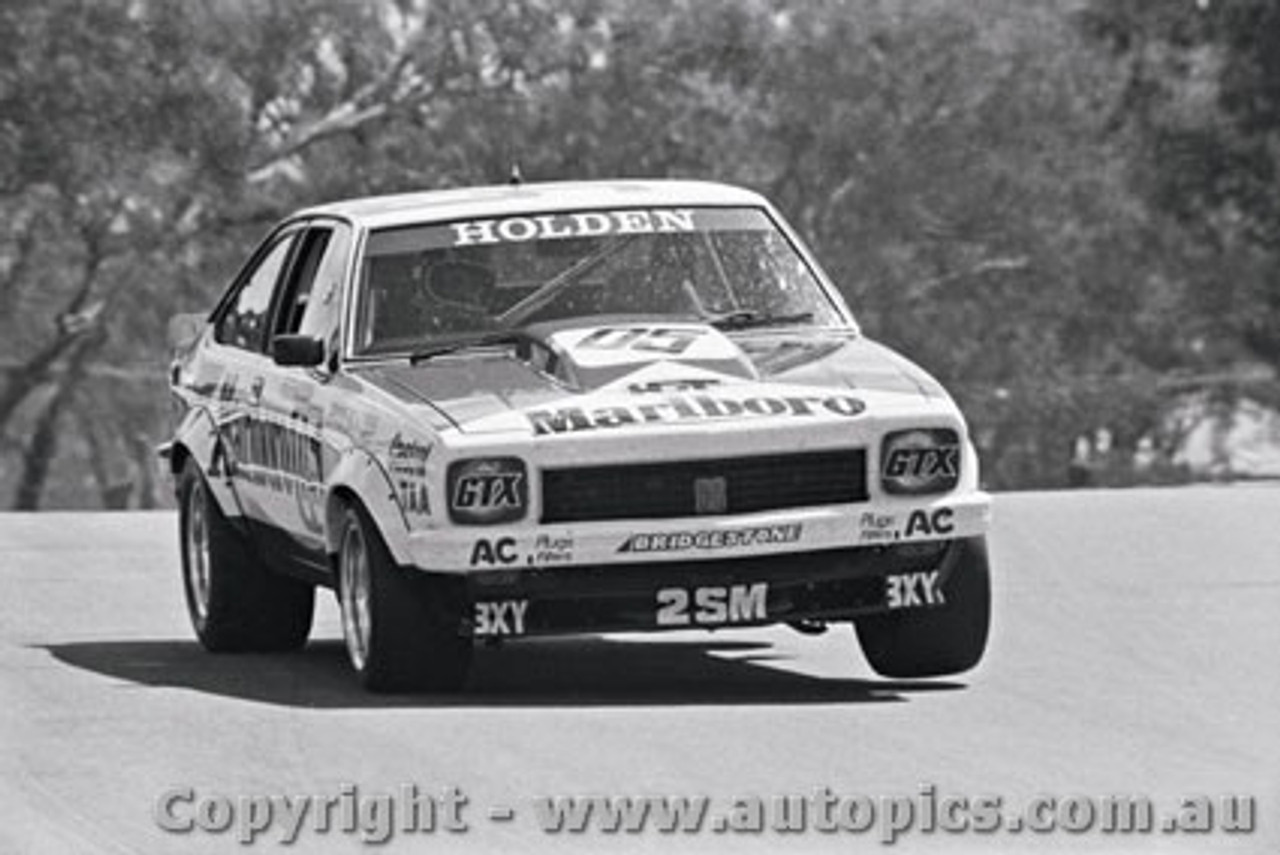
[(197, 542), (354, 581)]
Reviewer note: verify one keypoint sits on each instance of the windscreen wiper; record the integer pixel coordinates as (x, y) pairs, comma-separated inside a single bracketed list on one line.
[(742, 319), (493, 339), (549, 290)]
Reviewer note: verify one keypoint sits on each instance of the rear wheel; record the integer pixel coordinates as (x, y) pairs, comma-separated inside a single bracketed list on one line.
[(402, 628), (932, 642), (235, 602)]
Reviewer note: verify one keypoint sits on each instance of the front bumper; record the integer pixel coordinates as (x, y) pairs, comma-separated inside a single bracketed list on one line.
[(826, 586), (701, 541)]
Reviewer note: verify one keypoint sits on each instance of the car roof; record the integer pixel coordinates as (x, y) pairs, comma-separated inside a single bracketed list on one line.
[(512, 199)]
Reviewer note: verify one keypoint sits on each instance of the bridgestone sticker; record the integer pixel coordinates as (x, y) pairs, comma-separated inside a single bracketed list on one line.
[(712, 539)]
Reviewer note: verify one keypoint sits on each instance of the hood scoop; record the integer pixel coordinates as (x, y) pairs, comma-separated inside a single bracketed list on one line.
[(593, 357)]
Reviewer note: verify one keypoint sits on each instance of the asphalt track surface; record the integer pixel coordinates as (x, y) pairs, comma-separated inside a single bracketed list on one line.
[(1135, 650)]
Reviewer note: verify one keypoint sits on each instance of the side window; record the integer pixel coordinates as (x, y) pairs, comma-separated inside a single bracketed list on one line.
[(244, 323), (321, 309), (297, 291)]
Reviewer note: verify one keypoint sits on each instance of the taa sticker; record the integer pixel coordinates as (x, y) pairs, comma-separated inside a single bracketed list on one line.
[(504, 617), (913, 590), (413, 497), (492, 553), (940, 521), (712, 605)]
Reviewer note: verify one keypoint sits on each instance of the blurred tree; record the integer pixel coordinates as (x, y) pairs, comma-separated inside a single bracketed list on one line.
[(81, 189), (1202, 105)]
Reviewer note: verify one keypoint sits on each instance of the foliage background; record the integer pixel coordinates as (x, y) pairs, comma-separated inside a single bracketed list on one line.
[(1065, 209)]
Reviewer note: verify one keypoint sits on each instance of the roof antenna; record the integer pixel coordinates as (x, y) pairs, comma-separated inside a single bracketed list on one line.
[(516, 178)]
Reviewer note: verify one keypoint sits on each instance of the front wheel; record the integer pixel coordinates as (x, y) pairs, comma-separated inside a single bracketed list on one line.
[(402, 628), (936, 641), (235, 602)]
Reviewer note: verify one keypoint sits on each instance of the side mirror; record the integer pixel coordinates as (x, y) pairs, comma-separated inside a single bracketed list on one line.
[(303, 350), (184, 330)]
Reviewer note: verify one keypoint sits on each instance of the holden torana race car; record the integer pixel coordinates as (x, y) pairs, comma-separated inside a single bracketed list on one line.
[(513, 411)]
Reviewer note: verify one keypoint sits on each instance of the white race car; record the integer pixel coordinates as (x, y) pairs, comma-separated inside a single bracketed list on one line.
[(514, 411)]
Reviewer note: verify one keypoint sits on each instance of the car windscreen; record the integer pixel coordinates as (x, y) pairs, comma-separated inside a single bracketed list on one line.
[(443, 282)]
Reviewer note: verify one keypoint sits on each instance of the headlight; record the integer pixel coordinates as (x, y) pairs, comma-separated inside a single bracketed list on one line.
[(487, 490), (918, 462)]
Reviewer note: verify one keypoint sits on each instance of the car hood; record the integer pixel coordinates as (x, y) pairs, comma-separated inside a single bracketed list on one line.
[(639, 372)]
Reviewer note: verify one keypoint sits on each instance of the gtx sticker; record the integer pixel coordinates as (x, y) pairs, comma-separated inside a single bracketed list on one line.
[(504, 617), (913, 590), (689, 408), (560, 226), (494, 552), (712, 539), (941, 461), (487, 491), (712, 605)]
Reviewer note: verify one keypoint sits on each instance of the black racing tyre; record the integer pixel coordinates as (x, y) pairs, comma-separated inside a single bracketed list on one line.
[(236, 603), (402, 627), (937, 641)]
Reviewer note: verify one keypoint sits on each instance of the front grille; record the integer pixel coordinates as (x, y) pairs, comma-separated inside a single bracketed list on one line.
[(653, 491)]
